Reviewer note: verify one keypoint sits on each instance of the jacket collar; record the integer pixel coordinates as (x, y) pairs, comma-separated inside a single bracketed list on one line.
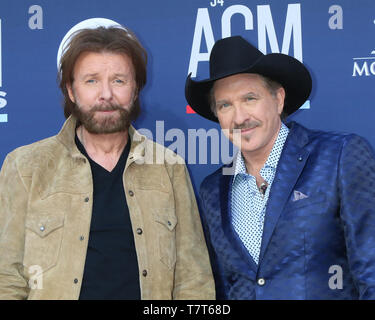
[(67, 134)]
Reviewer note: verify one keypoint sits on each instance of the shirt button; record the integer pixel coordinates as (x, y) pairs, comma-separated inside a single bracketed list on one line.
[(261, 282), (81, 238), (75, 280), (139, 231), (300, 158), (42, 228), (87, 199), (144, 273), (131, 193)]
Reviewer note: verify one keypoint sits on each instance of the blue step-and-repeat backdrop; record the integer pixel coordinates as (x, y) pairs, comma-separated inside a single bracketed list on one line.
[(335, 40)]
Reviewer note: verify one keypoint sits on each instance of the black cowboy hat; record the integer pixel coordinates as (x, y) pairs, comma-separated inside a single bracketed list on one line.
[(233, 55)]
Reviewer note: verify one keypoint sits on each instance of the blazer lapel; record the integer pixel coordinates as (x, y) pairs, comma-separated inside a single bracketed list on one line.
[(220, 228), (291, 163), (231, 235)]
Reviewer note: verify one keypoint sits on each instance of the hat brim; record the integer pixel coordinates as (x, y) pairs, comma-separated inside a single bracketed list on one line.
[(284, 69)]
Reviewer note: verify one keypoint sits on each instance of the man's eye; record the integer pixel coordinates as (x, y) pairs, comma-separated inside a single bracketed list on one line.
[(119, 81), (223, 105), (90, 81)]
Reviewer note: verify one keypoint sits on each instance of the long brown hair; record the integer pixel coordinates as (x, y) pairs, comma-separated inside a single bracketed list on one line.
[(102, 39)]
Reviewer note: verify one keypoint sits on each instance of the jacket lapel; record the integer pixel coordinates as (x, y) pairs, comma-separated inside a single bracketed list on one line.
[(290, 166), (225, 204)]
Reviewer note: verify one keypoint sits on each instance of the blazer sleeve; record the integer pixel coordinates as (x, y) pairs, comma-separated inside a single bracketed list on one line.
[(13, 203), (216, 269), (357, 210)]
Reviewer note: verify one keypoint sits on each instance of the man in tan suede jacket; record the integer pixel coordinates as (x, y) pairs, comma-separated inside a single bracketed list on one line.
[(99, 211)]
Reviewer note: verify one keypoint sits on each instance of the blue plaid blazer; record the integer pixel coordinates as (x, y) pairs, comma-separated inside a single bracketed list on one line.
[(331, 226)]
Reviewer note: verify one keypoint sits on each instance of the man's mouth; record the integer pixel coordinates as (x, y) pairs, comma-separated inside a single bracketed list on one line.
[(106, 111), (246, 128)]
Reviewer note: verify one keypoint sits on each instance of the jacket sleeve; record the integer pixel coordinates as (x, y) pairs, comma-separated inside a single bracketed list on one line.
[(13, 202), (193, 275), (216, 269), (357, 193)]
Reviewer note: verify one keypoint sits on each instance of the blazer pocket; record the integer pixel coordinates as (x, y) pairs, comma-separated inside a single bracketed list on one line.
[(43, 239), (166, 234), (311, 200)]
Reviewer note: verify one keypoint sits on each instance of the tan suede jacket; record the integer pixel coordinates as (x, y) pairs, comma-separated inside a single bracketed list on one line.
[(46, 194)]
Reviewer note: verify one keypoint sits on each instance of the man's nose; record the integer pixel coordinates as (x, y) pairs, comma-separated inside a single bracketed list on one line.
[(241, 114), (106, 91)]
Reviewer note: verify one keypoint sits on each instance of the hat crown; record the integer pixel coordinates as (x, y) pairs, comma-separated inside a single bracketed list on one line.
[(232, 54)]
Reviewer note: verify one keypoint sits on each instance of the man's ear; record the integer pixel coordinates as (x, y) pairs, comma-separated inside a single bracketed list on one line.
[(70, 92), (280, 97)]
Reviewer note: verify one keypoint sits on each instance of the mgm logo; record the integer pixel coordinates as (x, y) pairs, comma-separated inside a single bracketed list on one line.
[(364, 66)]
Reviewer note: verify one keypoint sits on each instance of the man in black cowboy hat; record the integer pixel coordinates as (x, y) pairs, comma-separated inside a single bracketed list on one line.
[(296, 219)]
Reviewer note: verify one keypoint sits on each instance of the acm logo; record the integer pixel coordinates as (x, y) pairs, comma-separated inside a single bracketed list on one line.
[(265, 29), (3, 101)]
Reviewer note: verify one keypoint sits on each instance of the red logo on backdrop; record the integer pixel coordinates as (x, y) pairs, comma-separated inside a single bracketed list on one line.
[(189, 109)]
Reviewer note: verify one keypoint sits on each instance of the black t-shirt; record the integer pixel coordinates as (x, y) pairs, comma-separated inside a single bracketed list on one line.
[(111, 268)]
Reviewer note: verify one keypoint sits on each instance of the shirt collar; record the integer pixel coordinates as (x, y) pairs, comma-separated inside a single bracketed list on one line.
[(273, 158)]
